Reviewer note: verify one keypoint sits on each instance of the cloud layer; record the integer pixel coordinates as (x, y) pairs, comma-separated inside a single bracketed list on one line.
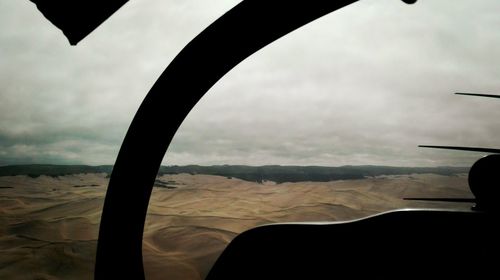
[(364, 85)]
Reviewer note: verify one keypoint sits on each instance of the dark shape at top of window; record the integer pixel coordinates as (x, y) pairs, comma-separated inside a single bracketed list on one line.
[(77, 19)]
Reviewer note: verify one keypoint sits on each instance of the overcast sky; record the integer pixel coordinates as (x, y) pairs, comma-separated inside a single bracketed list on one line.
[(363, 85)]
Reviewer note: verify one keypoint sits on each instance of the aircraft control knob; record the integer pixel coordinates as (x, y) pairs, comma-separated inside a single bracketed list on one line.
[(484, 182)]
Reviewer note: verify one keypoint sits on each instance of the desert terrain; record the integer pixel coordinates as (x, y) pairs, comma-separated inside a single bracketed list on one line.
[(49, 225)]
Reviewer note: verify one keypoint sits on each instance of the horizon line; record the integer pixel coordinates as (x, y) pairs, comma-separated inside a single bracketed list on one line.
[(248, 165)]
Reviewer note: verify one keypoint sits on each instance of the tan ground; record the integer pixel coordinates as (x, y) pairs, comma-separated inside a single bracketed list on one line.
[(48, 227)]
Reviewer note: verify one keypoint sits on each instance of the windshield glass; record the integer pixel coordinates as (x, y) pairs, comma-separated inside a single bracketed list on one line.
[(322, 125)]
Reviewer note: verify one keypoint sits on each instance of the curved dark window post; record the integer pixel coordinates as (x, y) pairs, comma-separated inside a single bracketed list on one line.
[(239, 33)]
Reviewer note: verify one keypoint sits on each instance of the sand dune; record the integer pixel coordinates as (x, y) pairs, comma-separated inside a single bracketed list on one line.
[(49, 226)]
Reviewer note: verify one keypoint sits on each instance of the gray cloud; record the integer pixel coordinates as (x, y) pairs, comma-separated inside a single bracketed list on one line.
[(364, 85)]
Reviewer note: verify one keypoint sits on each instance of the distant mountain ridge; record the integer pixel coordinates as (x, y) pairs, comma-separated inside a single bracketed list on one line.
[(53, 170), (276, 173)]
